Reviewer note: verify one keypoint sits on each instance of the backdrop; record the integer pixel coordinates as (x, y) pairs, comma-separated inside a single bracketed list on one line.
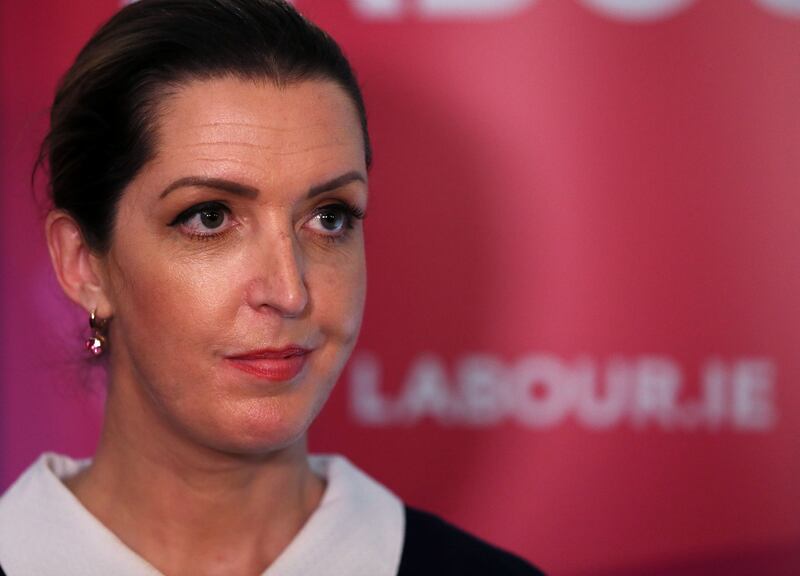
[(581, 338)]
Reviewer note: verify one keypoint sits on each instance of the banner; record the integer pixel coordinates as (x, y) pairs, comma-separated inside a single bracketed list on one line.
[(581, 336)]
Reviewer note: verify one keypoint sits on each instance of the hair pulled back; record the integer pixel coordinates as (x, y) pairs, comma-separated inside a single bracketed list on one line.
[(103, 119)]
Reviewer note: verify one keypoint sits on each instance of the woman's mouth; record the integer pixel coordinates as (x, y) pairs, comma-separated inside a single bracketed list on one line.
[(278, 365)]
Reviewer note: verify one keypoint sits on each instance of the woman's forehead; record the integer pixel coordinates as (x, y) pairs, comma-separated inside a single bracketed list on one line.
[(257, 111), (258, 129)]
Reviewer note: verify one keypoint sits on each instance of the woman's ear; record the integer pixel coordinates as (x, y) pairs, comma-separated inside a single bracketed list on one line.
[(76, 267)]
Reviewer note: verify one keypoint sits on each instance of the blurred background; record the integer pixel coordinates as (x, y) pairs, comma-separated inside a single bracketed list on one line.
[(581, 337)]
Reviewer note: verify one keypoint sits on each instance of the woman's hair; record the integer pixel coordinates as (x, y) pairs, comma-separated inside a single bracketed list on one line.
[(103, 119)]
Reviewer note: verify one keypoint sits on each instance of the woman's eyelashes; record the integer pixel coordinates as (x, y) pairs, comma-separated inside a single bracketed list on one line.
[(334, 221), (213, 219), (206, 220)]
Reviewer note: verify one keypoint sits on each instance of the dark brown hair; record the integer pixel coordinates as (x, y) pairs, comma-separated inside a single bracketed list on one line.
[(103, 117)]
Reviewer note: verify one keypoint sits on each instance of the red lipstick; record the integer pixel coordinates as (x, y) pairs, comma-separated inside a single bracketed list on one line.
[(272, 364)]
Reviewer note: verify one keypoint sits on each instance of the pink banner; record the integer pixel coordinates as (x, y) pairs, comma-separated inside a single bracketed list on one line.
[(581, 337)]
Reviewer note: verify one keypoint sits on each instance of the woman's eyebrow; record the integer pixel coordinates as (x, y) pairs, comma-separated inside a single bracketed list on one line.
[(218, 183), (240, 189), (338, 182)]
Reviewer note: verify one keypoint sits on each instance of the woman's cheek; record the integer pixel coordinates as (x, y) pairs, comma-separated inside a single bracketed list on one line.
[(341, 298), (201, 282)]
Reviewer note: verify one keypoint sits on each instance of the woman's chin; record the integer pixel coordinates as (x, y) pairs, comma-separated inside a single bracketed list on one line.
[(258, 434)]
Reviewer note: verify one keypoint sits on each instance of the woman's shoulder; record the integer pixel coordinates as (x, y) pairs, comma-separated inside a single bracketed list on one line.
[(433, 546)]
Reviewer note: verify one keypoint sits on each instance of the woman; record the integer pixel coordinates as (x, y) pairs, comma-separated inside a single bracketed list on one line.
[(208, 166)]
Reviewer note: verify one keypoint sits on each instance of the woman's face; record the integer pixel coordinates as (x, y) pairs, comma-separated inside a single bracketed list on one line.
[(236, 275)]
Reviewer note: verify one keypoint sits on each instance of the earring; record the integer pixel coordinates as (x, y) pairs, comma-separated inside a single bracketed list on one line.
[(96, 344)]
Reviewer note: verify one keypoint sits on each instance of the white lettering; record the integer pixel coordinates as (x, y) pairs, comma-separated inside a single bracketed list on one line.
[(782, 7), (426, 392), (594, 410), (378, 8), (658, 381), (366, 402), (629, 10), (541, 391), (484, 390), (713, 383), (471, 8), (752, 383), (638, 10)]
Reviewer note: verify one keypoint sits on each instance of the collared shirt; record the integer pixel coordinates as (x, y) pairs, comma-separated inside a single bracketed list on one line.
[(45, 530)]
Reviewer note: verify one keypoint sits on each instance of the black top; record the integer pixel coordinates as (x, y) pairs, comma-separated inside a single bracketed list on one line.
[(432, 546)]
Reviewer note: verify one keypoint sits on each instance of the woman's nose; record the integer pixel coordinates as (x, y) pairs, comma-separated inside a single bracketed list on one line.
[(279, 283)]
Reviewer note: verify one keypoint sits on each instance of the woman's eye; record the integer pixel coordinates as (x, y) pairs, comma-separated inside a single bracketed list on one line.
[(332, 219), (208, 219), (335, 219)]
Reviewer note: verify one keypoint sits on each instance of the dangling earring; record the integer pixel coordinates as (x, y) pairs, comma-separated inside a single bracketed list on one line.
[(96, 344)]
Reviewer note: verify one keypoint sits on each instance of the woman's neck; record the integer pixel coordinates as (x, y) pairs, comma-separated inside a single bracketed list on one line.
[(192, 510)]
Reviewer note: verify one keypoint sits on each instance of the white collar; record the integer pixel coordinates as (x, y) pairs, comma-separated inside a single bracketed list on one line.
[(357, 529)]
